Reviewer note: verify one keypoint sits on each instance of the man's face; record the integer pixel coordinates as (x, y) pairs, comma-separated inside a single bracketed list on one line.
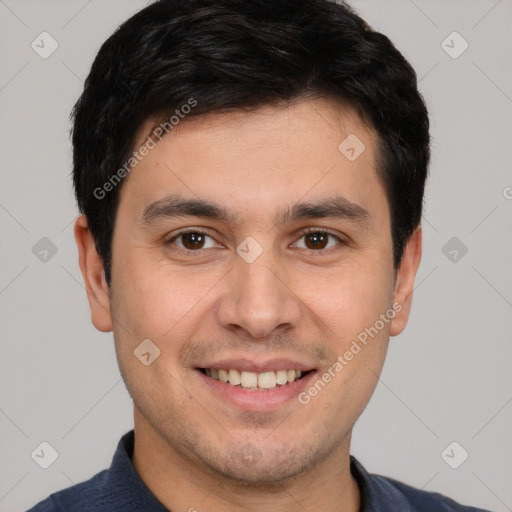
[(255, 292)]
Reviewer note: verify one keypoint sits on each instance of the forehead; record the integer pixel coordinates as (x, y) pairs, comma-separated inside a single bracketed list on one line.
[(262, 157)]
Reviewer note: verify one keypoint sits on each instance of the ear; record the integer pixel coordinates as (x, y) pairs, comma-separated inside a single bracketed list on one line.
[(405, 281), (93, 272)]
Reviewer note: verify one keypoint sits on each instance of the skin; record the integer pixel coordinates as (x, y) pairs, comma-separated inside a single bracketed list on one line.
[(294, 301)]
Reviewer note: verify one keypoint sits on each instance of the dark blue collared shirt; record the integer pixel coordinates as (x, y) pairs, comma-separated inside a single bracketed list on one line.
[(120, 489)]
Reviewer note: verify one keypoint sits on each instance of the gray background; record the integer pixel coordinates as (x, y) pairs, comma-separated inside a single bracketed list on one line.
[(447, 378)]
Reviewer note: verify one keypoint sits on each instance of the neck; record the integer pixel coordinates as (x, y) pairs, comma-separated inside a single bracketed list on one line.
[(180, 482)]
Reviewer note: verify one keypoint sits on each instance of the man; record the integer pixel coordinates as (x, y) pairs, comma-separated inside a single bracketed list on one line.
[(250, 177)]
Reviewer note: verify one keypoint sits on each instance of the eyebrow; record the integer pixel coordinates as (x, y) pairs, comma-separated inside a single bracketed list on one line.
[(174, 206)]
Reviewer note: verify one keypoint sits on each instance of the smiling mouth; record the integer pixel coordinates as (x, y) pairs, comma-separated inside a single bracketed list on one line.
[(253, 381)]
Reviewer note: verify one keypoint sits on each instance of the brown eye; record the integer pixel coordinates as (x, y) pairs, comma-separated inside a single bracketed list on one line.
[(192, 240), (316, 240)]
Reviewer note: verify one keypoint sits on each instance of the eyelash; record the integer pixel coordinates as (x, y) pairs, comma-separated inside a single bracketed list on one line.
[(303, 233)]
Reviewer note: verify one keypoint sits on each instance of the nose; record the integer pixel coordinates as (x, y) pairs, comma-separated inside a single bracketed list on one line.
[(258, 299)]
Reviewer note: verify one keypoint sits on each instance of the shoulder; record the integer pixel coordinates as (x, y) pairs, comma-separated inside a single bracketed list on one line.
[(115, 489), (82, 496), (419, 500), (43, 506), (383, 494)]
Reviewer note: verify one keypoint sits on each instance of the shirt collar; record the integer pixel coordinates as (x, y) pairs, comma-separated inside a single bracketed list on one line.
[(132, 491), (378, 494)]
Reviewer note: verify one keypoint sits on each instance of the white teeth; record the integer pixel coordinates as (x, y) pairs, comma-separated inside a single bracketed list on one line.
[(267, 380), (234, 377), (281, 377), (252, 380), (249, 380)]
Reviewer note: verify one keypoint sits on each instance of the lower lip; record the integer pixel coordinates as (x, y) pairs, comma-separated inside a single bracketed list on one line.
[(258, 400)]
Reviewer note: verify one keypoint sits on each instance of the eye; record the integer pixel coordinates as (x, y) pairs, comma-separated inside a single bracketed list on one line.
[(195, 240), (317, 239), (192, 240)]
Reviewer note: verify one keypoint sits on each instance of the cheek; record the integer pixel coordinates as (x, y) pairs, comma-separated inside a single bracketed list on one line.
[(349, 300), (153, 299), (166, 305)]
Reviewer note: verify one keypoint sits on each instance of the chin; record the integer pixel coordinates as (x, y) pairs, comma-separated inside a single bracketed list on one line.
[(247, 465)]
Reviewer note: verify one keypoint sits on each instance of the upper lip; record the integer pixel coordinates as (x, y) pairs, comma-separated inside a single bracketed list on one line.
[(252, 365)]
